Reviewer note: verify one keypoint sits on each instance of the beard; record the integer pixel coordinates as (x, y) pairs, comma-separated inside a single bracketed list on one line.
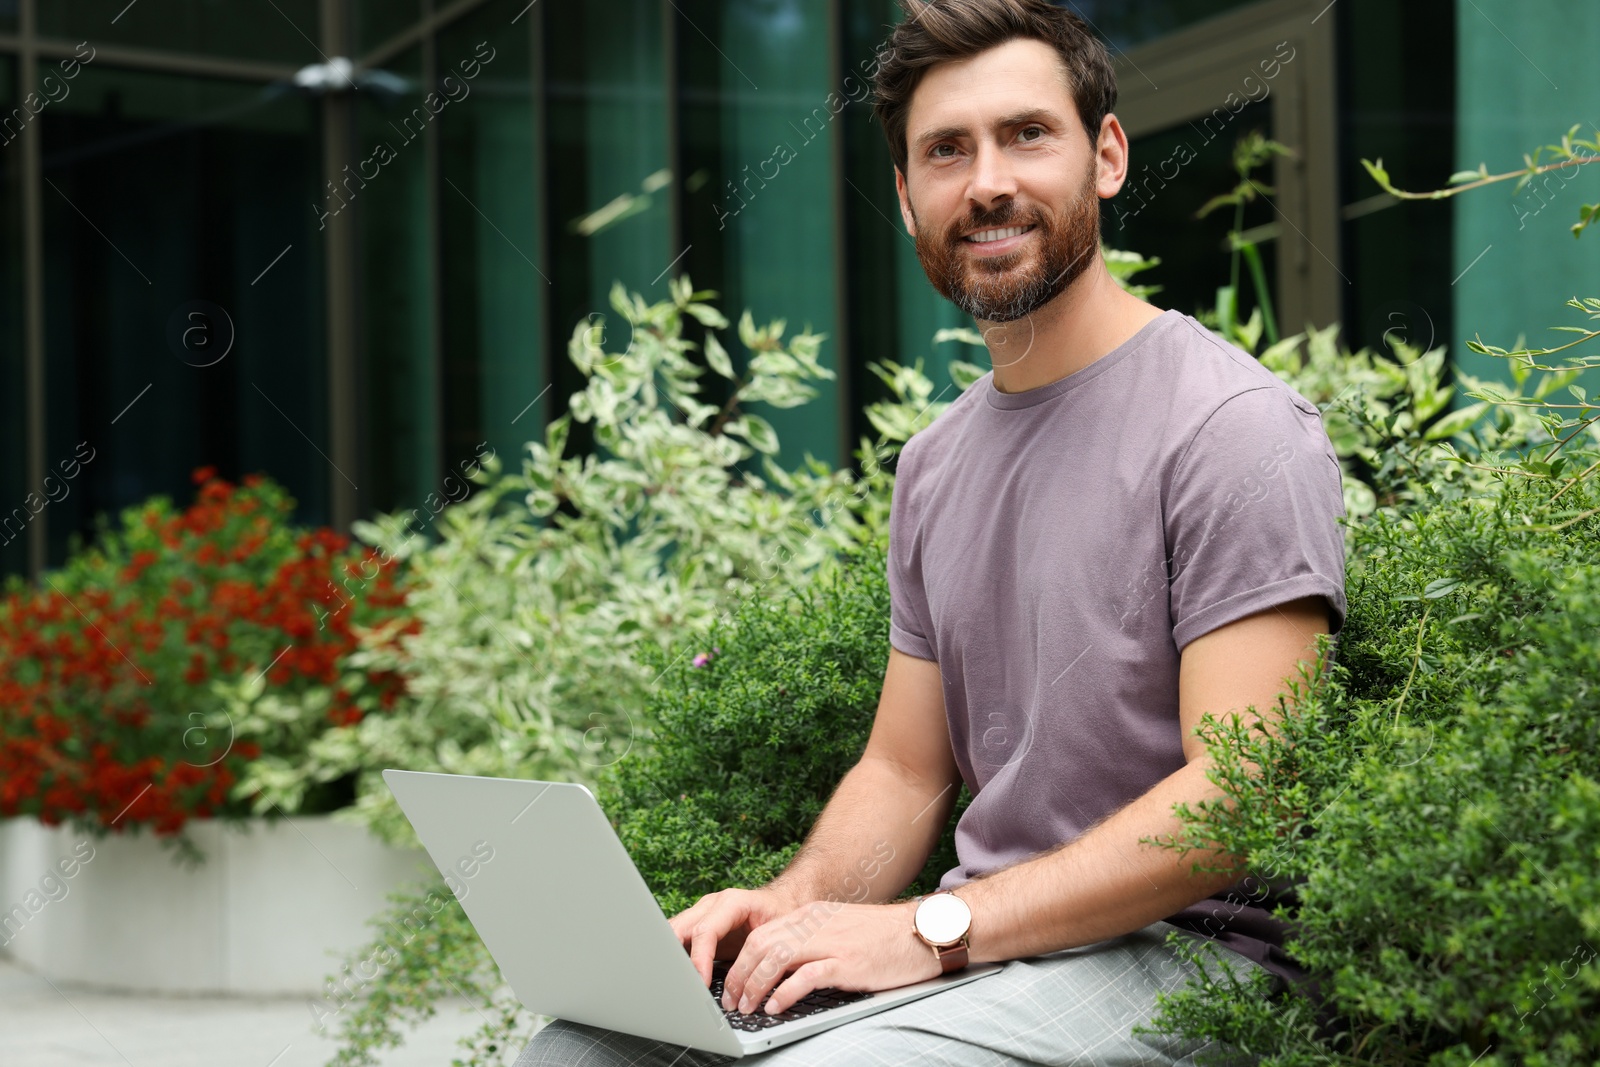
[(1004, 288)]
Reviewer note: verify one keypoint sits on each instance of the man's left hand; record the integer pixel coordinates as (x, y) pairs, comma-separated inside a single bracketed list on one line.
[(828, 944)]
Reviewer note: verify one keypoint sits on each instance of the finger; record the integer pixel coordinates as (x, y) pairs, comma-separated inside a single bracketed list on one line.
[(684, 921), (706, 933), (807, 978), (763, 974), (748, 957), (773, 946)]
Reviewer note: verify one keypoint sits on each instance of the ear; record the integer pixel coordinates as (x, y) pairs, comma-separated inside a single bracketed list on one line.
[(905, 202), (1111, 158)]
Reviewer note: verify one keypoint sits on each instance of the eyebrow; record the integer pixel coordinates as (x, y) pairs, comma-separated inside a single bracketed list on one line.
[(1032, 114)]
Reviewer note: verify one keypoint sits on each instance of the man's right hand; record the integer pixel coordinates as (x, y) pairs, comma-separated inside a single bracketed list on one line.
[(715, 926)]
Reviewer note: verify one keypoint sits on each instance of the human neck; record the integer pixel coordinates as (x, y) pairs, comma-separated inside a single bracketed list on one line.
[(1087, 320)]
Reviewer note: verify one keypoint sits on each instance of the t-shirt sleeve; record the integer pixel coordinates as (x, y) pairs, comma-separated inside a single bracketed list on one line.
[(908, 600), (1253, 515)]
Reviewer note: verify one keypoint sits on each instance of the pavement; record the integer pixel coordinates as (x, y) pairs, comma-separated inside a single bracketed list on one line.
[(42, 1025)]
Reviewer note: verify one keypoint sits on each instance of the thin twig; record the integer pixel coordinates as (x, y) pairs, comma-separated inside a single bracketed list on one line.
[(1421, 625), (1562, 525), (1592, 467), (1442, 194)]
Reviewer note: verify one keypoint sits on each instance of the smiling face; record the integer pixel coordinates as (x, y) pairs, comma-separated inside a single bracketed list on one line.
[(1002, 184)]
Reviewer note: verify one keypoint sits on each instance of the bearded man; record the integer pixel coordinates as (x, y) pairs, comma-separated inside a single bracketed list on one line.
[(1126, 524)]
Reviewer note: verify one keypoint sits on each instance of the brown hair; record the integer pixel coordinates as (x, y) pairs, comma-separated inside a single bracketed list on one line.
[(936, 31)]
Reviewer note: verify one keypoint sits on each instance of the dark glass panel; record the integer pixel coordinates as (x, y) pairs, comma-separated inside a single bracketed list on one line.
[(1171, 174), (178, 211), (1126, 23), (493, 284), (13, 395), (283, 31), (1399, 105), (377, 21), (397, 256), (760, 102), (607, 172)]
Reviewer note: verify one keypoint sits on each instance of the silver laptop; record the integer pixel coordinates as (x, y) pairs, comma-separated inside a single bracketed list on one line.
[(572, 925)]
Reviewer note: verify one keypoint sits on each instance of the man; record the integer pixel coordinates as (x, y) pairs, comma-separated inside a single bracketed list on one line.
[(1124, 526)]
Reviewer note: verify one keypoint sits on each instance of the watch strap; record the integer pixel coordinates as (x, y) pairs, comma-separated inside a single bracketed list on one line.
[(952, 957)]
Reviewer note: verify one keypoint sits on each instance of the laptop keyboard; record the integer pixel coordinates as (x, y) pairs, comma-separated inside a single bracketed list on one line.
[(810, 1004)]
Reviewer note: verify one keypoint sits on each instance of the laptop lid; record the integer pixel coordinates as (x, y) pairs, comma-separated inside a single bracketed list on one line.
[(560, 906)]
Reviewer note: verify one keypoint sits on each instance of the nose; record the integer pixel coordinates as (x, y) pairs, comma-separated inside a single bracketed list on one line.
[(992, 179)]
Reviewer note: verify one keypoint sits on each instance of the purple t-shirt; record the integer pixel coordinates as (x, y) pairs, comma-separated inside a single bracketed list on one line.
[(1054, 550)]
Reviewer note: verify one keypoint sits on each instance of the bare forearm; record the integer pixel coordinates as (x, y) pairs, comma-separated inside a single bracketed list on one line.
[(872, 839), (1102, 885)]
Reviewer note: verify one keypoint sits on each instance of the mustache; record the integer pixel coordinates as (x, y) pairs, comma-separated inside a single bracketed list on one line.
[(996, 220), (1012, 215)]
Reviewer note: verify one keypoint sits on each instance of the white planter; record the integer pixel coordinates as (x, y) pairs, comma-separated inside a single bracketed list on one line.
[(272, 909)]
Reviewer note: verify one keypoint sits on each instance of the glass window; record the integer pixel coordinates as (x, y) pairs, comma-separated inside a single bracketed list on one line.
[(493, 284), (610, 186), (1171, 174), (1515, 260), (13, 392), (183, 290), (391, 199), (1398, 105), (283, 31), (377, 21), (1125, 23), (759, 104)]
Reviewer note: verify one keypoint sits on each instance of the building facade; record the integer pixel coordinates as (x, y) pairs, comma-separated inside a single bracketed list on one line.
[(345, 242)]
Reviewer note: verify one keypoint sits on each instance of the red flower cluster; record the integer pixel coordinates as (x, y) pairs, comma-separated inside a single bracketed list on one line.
[(105, 710)]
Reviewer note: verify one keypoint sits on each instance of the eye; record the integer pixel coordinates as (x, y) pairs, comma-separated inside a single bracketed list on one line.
[(1030, 129), (934, 151)]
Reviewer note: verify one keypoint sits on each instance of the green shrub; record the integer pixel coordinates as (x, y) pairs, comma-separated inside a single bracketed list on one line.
[(701, 808), (594, 563), (748, 747), (745, 750), (533, 604), (1436, 799)]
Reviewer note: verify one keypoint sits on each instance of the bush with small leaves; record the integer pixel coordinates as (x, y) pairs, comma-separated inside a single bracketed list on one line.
[(749, 744), (1434, 798), (755, 722)]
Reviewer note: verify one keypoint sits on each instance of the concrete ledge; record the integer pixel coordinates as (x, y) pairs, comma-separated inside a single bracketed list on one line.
[(272, 910)]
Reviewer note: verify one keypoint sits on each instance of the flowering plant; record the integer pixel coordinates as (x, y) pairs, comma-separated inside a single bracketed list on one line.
[(540, 588), (108, 715)]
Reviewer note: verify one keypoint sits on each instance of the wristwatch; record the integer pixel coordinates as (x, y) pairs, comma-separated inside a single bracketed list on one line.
[(943, 921)]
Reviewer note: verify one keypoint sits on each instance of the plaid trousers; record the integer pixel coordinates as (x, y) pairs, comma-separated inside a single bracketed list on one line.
[(1076, 1006)]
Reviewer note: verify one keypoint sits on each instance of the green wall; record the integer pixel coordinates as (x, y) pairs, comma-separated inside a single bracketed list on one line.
[(1526, 73)]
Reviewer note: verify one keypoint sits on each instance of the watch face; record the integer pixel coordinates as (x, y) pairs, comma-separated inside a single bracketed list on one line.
[(943, 918)]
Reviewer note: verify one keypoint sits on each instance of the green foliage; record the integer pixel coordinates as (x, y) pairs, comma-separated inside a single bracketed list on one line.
[(643, 556), (1570, 152), (1253, 150), (424, 951), (753, 725), (1123, 265), (1433, 796), (546, 583), (748, 747)]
